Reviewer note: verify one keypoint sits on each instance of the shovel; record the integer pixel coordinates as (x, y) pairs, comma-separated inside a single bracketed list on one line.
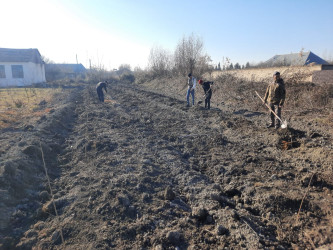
[(204, 96), (283, 123)]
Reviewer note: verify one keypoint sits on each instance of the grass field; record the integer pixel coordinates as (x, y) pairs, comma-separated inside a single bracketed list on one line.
[(19, 103)]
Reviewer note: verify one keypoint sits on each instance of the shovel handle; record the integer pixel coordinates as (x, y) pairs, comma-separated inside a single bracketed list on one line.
[(207, 91), (269, 107)]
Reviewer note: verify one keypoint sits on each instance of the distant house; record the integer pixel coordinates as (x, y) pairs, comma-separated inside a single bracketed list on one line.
[(21, 67), (294, 59), (63, 71)]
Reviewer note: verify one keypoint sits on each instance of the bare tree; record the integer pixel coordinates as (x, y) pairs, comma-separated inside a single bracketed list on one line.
[(159, 61), (46, 60), (226, 63), (203, 65), (124, 66), (125, 73), (187, 54)]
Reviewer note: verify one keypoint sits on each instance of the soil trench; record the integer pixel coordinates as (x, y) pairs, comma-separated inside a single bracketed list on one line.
[(142, 171)]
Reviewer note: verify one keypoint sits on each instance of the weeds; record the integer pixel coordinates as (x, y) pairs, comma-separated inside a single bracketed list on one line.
[(309, 96), (299, 96), (18, 103), (51, 191), (306, 193)]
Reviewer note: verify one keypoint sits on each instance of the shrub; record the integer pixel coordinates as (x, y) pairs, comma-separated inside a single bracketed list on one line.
[(322, 95), (143, 76), (128, 78), (18, 104)]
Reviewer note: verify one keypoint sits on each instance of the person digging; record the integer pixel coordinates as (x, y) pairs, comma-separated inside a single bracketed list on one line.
[(99, 89), (208, 92), (275, 96)]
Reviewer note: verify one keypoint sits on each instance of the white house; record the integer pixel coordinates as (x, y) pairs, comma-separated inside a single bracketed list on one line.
[(21, 67)]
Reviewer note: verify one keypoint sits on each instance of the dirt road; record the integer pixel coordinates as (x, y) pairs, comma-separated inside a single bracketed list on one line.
[(142, 171)]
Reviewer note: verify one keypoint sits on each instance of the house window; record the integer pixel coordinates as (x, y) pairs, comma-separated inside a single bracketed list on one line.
[(17, 71), (2, 71)]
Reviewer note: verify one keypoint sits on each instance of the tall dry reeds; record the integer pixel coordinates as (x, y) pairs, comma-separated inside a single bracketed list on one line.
[(299, 95)]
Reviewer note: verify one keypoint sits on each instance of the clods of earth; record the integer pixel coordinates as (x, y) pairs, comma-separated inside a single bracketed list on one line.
[(143, 171)]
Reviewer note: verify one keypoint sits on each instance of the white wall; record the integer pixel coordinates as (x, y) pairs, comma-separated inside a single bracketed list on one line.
[(32, 72)]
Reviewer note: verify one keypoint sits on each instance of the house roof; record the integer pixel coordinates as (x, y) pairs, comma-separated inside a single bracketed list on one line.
[(295, 59), (20, 55), (66, 68)]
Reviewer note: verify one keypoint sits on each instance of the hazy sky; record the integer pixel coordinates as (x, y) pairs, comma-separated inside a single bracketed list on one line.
[(110, 32)]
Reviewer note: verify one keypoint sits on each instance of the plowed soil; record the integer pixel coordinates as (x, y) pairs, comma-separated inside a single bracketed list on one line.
[(143, 171)]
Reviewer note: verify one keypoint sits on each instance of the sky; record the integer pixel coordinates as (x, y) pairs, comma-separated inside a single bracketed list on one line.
[(108, 33)]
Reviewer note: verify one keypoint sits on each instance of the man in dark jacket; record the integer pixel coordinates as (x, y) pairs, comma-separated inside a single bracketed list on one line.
[(275, 96), (208, 92), (99, 89)]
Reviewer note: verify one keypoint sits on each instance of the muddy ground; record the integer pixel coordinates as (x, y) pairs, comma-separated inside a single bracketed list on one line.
[(142, 171)]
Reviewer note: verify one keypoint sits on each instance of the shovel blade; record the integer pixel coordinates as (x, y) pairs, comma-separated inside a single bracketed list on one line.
[(284, 124)]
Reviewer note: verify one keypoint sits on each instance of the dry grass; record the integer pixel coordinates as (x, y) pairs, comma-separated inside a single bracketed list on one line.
[(19, 103), (300, 97), (110, 101)]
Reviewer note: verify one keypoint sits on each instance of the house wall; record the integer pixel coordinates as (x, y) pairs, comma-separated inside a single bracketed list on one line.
[(32, 72), (327, 67)]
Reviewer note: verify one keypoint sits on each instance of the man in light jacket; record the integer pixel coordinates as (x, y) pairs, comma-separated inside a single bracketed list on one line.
[(191, 82)]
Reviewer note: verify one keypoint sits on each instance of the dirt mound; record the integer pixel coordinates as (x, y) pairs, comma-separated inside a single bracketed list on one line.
[(289, 138), (22, 176)]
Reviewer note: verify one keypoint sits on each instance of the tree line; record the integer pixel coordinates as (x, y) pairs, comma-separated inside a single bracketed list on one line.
[(187, 57), (230, 66)]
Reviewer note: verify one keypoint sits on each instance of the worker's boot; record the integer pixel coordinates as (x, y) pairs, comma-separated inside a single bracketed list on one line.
[(272, 125)]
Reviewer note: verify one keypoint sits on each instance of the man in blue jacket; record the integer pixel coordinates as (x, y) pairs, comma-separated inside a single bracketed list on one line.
[(191, 82)]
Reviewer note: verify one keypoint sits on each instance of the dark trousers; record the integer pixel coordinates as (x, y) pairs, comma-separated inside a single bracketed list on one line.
[(100, 95), (275, 121), (207, 99), (207, 103)]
